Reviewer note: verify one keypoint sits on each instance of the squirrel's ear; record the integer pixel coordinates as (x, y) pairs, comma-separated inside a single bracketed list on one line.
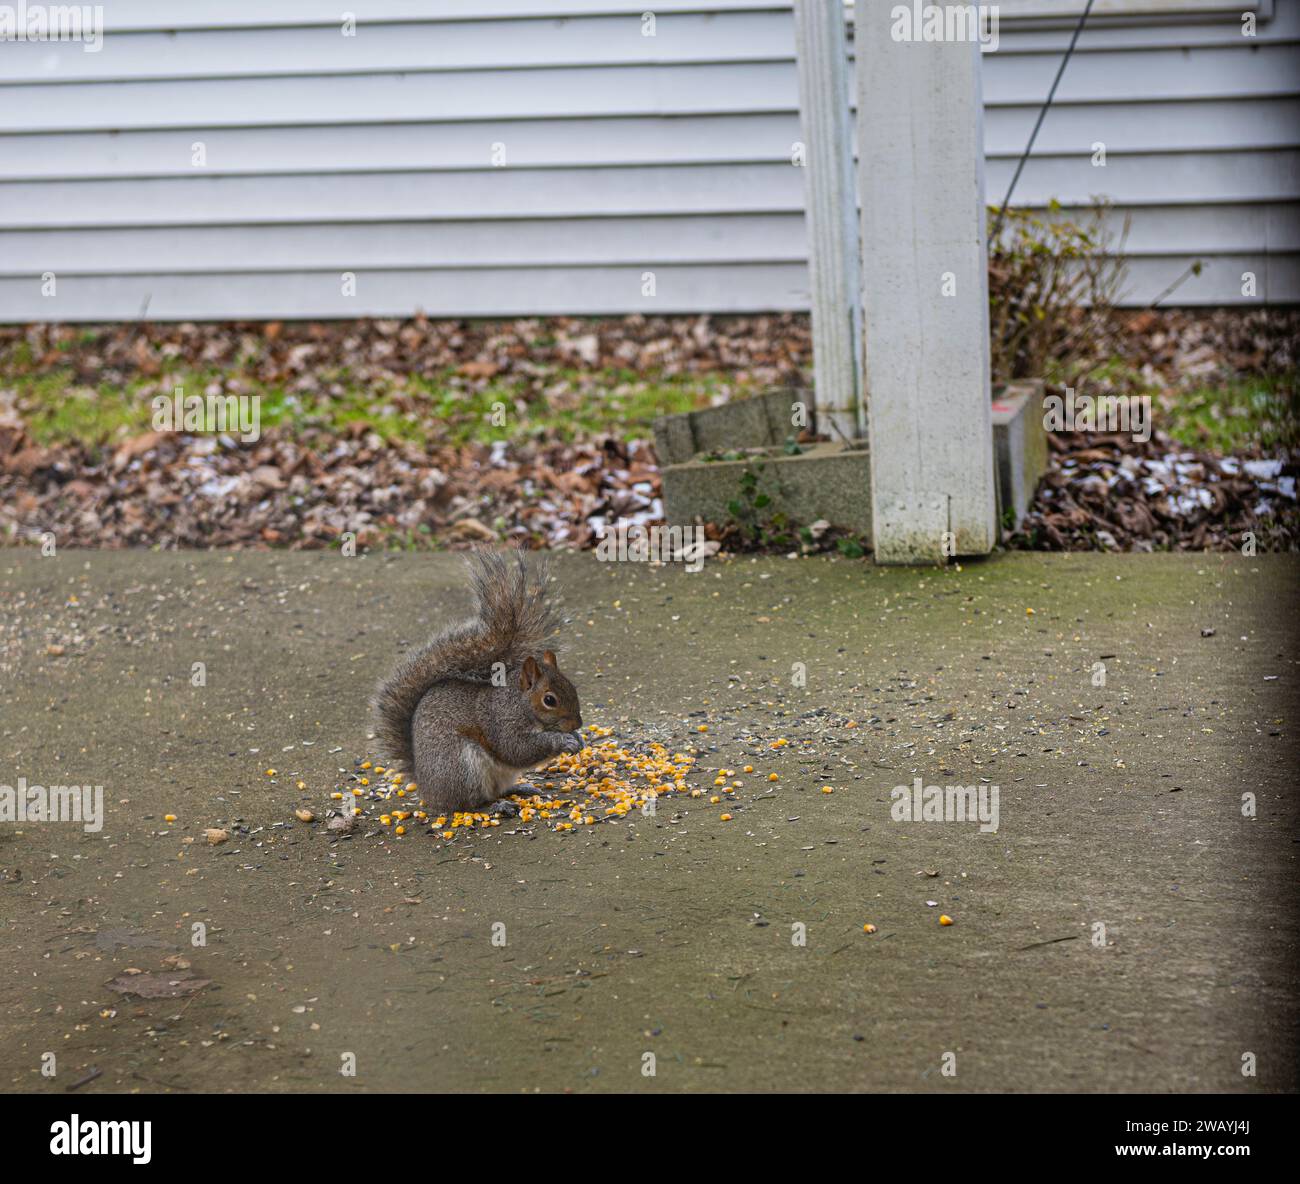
[(549, 658), (529, 673)]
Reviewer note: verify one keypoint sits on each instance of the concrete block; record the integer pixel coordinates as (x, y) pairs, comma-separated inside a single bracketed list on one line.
[(761, 422), (1019, 446), (830, 481)]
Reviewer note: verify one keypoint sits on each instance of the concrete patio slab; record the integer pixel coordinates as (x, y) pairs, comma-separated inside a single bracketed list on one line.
[(1127, 927)]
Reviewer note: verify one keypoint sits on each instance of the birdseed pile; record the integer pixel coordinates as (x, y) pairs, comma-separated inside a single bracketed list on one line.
[(603, 781)]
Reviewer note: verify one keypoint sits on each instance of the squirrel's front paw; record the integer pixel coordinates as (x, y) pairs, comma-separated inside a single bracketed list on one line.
[(570, 742)]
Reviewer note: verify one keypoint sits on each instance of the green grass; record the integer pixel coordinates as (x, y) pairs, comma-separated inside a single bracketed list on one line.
[(1236, 415), (59, 411), (1226, 415), (444, 409)]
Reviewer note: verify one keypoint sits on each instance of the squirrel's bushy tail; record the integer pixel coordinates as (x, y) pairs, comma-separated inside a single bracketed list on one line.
[(512, 619)]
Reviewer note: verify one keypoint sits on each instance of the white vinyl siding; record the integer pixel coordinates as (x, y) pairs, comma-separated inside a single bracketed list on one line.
[(624, 154)]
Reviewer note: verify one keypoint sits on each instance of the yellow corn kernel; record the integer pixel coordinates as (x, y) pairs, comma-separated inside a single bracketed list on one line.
[(773, 777), (827, 789), (401, 830), (944, 919), (725, 817), (169, 817)]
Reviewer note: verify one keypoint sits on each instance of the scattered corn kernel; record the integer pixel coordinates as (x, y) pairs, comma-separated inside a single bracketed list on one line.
[(868, 928), (725, 817), (827, 789), (944, 919), (602, 781), (169, 817)]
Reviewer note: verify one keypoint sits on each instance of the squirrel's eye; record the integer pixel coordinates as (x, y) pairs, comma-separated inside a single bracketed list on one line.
[(550, 701)]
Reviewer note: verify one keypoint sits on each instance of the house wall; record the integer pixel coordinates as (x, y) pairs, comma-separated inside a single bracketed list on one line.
[(516, 157)]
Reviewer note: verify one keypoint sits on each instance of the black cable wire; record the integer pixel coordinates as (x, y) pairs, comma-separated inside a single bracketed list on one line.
[(1042, 114)]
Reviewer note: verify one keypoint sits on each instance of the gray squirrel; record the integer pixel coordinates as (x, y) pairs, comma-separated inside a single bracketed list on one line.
[(482, 701)]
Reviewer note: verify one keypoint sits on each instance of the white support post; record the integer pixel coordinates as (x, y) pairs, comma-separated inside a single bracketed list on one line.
[(925, 292), (821, 44)]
